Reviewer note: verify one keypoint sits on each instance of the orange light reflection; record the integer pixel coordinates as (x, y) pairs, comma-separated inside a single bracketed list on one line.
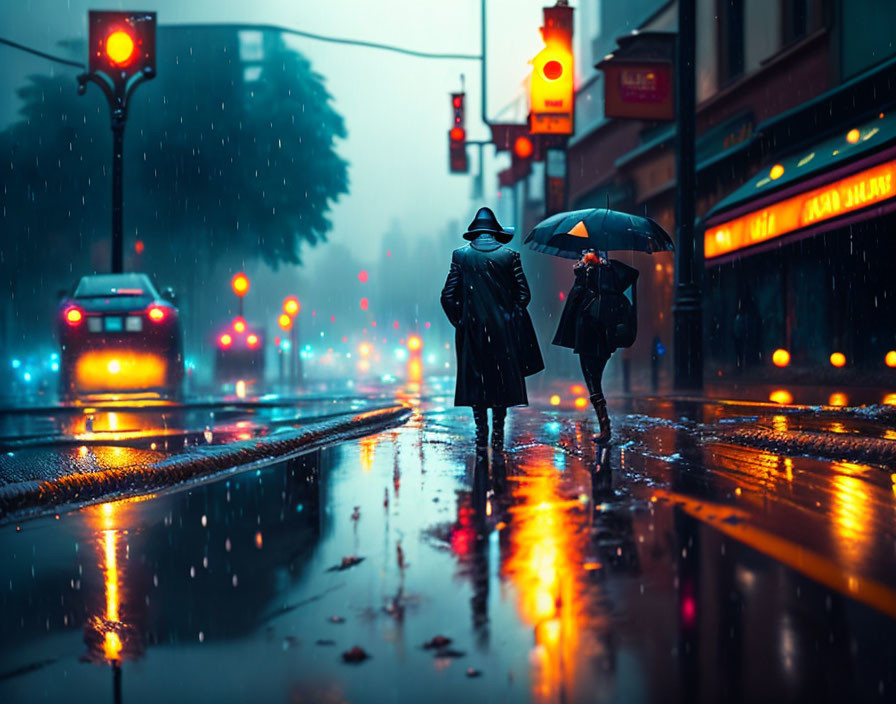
[(545, 565)]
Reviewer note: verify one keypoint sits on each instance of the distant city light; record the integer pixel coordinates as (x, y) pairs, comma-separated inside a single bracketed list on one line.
[(852, 136), (890, 359), (16, 363), (776, 172), (414, 343), (362, 276), (364, 304), (837, 399), (781, 358), (581, 402), (27, 376), (555, 400), (838, 359), (781, 396), (54, 366), (291, 306), (240, 284), (401, 354)]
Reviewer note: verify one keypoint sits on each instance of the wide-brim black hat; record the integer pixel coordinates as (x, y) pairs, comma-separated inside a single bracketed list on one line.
[(485, 221)]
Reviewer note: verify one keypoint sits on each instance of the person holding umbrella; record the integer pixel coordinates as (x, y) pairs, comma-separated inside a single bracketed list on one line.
[(591, 321), (485, 299), (598, 318)]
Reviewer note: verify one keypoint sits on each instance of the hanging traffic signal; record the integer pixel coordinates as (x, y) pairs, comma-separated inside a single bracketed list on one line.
[(122, 44), (551, 88), (523, 147), (457, 137)]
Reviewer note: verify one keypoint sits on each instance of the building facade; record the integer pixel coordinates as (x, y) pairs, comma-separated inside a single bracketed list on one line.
[(795, 191)]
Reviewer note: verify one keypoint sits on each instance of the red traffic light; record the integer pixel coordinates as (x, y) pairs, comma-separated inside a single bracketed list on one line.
[(551, 89), (457, 101), (120, 48), (122, 44), (457, 134), (552, 70), (523, 148)]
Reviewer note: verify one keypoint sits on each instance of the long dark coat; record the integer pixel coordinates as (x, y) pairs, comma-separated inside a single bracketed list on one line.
[(485, 298), (579, 329)]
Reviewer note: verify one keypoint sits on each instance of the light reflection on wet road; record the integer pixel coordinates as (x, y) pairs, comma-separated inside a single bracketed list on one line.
[(667, 569)]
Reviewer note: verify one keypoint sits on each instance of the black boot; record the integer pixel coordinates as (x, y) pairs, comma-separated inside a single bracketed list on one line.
[(480, 417), (600, 406)]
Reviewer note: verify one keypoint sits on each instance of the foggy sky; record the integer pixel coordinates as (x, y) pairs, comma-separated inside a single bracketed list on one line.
[(396, 108)]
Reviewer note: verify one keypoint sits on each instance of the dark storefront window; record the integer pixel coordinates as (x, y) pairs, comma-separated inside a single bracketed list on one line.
[(800, 17), (834, 292), (731, 40)]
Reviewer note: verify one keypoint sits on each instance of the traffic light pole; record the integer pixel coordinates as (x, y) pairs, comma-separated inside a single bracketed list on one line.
[(118, 195), (117, 94), (687, 310)]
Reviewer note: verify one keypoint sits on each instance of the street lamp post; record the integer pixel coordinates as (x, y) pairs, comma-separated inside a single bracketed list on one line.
[(687, 309)]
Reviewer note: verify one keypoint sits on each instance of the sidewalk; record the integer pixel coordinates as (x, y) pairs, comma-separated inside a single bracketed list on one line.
[(88, 483), (848, 424)]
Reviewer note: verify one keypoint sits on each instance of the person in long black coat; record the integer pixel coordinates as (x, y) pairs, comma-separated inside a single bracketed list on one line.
[(585, 326), (485, 298)]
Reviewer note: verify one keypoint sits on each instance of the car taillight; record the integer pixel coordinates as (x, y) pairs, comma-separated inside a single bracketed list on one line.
[(225, 340), (74, 316), (156, 314), (252, 341)]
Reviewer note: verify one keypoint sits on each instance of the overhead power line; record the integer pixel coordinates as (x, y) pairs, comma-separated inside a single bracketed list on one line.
[(42, 54), (338, 40), (272, 28)]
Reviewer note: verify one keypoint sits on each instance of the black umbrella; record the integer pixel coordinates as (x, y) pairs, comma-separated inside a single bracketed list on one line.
[(567, 234)]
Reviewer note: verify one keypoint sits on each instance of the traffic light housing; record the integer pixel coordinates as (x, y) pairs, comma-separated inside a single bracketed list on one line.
[(551, 87), (524, 148), (122, 44), (457, 137)]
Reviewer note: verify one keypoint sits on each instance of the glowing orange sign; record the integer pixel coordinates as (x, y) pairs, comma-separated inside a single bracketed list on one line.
[(832, 200)]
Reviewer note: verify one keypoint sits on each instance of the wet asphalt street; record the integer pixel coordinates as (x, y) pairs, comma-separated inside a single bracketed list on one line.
[(677, 566)]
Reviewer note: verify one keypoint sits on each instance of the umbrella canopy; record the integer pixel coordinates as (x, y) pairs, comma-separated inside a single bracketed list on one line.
[(567, 234)]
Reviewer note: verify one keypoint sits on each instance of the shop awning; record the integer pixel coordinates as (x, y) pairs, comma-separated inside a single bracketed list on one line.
[(812, 190)]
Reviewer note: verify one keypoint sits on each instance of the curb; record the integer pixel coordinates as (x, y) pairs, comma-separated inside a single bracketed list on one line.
[(26, 499), (827, 445)]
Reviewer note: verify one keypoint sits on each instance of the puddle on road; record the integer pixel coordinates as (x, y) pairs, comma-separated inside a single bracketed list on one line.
[(559, 580)]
